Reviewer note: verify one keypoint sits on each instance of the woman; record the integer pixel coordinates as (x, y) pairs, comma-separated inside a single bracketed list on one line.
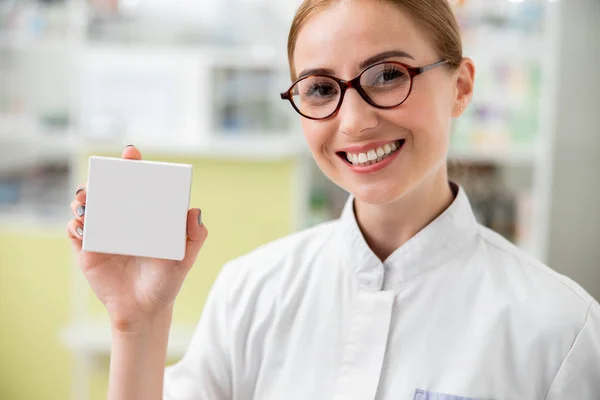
[(405, 296)]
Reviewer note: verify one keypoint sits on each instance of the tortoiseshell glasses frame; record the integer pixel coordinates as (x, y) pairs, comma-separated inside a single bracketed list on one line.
[(356, 83)]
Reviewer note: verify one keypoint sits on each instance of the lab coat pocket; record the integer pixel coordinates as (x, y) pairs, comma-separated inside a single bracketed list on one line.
[(425, 395)]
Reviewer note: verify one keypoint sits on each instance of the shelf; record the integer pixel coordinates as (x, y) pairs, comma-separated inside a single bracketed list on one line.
[(23, 143), (29, 223), (36, 44), (517, 156), (490, 47), (94, 338), (220, 56), (232, 146), (27, 150), (251, 146)]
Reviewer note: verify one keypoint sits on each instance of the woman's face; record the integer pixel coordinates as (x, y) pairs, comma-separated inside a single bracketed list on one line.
[(339, 39)]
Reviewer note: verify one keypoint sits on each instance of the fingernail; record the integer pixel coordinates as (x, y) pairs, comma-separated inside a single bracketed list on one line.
[(199, 217), (79, 190), (81, 210), (129, 145), (79, 231)]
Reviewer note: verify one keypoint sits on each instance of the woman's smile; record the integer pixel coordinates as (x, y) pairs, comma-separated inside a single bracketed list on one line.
[(372, 157)]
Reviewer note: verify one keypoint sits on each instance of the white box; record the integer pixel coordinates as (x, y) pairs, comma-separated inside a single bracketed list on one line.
[(137, 208)]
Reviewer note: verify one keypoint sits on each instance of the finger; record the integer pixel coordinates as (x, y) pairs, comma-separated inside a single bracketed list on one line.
[(78, 210), (194, 224), (75, 234), (81, 193), (131, 153), (197, 233)]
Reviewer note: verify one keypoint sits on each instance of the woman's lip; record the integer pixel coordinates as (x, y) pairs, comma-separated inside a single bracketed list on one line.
[(366, 147), (367, 169)]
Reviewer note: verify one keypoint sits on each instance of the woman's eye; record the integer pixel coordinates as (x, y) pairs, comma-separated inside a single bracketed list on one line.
[(390, 75), (386, 76), (320, 90)]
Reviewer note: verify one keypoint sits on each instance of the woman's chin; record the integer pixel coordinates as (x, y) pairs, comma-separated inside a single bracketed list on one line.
[(378, 194)]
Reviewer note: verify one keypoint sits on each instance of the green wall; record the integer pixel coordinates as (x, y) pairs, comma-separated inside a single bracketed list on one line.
[(34, 305)]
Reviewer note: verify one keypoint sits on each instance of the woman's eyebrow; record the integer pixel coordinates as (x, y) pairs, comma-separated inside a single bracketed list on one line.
[(364, 64), (385, 55), (315, 71)]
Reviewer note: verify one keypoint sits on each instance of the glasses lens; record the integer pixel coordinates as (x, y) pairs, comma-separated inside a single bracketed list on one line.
[(316, 96), (386, 84)]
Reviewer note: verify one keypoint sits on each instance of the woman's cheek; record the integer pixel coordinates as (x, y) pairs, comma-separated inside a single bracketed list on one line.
[(319, 138), (429, 131)]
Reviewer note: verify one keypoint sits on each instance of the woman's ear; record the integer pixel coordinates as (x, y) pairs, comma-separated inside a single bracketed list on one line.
[(464, 81)]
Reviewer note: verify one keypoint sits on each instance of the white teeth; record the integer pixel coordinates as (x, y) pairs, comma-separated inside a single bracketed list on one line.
[(373, 156)]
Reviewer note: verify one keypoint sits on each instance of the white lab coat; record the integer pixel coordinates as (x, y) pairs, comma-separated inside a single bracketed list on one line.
[(457, 312)]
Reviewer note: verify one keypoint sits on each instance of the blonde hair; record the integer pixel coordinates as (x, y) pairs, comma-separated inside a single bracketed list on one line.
[(434, 17)]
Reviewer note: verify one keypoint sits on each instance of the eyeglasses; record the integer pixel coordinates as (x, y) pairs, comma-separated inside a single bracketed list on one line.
[(383, 85)]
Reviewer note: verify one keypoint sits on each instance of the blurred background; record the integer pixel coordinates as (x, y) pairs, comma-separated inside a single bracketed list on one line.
[(198, 82)]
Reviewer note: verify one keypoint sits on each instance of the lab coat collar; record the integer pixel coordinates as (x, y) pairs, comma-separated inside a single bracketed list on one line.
[(430, 248)]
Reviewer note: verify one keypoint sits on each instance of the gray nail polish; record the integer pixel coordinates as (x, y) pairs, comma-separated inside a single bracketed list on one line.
[(199, 217), (79, 190), (81, 210), (79, 231)]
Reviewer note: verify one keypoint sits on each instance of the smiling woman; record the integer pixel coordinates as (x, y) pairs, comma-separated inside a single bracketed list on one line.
[(415, 80), (406, 295)]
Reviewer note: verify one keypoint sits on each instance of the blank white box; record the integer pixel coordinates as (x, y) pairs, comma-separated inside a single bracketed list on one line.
[(137, 208)]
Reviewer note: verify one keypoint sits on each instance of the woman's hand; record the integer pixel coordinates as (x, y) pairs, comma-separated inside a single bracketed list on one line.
[(134, 290)]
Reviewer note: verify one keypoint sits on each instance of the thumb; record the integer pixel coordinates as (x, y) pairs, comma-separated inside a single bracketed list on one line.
[(196, 235)]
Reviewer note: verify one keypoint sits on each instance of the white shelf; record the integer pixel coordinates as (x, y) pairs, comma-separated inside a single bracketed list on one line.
[(251, 146), (27, 150), (36, 44), (23, 142), (245, 57), (233, 146), (516, 156), (492, 46), (30, 222), (94, 338)]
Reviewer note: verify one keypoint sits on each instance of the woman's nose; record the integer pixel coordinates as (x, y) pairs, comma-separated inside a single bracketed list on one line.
[(355, 114)]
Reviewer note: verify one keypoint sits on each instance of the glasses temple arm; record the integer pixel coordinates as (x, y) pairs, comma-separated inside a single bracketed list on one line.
[(426, 68)]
